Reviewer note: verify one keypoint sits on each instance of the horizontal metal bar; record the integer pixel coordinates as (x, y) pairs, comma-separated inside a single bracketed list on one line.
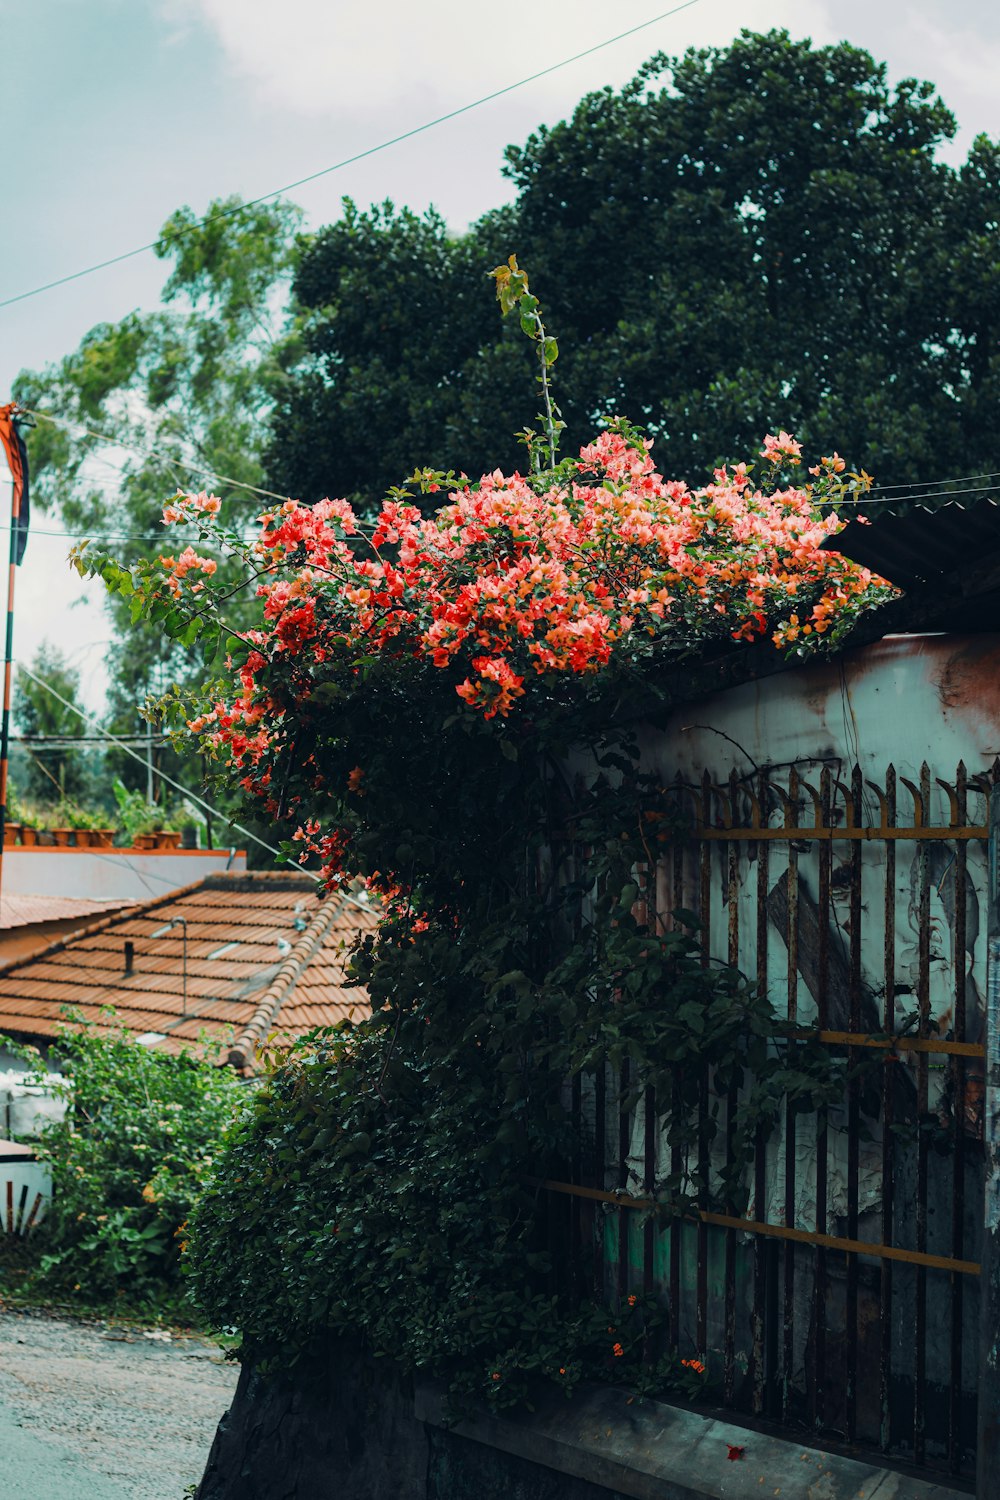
[(895, 1043), (824, 835), (773, 1231), (849, 1247)]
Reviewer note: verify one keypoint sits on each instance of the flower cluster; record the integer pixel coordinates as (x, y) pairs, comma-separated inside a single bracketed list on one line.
[(189, 561), (507, 584), (513, 584)]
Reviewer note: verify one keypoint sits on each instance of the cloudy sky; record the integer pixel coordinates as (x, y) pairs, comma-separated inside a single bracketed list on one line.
[(115, 112)]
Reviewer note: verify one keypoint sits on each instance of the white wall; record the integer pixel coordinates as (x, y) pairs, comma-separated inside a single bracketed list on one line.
[(139, 874)]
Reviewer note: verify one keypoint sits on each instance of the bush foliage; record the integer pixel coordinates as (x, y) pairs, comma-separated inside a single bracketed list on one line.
[(138, 1142)]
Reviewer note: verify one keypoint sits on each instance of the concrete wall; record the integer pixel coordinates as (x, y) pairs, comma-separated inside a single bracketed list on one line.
[(905, 699), (342, 1426), (104, 874)]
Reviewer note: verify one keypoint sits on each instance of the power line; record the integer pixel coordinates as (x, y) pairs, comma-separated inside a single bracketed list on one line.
[(109, 536), (879, 489), (185, 791), (347, 161), (70, 741), (168, 458), (861, 503), (878, 496)]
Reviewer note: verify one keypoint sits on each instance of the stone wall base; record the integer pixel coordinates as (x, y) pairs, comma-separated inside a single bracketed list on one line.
[(340, 1426)]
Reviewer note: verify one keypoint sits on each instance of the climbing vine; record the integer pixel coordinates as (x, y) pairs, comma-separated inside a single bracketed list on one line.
[(439, 709)]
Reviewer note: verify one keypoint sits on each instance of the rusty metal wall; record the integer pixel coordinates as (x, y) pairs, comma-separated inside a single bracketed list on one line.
[(841, 864)]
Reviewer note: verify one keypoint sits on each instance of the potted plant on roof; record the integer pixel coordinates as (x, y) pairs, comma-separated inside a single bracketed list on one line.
[(45, 822), (12, 823), (168, 829), (62, 829), (28, 818), (90, 828), (138, 817)]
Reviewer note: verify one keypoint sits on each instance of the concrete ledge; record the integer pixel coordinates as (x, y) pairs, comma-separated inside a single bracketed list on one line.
[(657, 1452)]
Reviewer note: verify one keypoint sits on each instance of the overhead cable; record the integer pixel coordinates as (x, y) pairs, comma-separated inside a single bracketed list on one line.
[(877, 496), (185, 791), (879, 489), (344, 895), (168, 458), (347, 161)]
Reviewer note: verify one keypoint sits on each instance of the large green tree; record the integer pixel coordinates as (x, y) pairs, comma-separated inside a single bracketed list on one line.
[(184, 391), (405, 363), (741, 238)]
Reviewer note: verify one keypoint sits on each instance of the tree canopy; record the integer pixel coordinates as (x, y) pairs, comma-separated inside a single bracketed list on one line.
[(181, 391), (741, 237)]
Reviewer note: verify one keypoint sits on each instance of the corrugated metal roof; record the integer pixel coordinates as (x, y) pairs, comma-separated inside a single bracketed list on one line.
[(283, 966), (918, 546)]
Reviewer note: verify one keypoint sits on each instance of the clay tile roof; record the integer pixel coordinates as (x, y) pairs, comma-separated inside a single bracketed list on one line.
[(23, 911), (237, 957)]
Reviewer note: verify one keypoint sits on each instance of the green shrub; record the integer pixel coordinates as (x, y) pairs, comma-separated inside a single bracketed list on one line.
[(141, 1132)]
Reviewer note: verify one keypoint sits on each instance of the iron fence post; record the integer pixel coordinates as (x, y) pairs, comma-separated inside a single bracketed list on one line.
[(988, 1444)]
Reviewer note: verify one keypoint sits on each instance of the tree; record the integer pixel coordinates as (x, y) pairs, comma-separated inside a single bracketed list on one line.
[(744, 237), (404, 362), (191, 380), (48, 774)]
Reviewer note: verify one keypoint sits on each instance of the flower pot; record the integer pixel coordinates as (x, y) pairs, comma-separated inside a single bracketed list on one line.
[(64, 837), (29, 836), (102, 838), (145, 841), (168, 839), (10, 832)]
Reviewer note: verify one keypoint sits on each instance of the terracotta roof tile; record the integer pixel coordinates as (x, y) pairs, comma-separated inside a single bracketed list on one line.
[(24, 911), (281, 962)]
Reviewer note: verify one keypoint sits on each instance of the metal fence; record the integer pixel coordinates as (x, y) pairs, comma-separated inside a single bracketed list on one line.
[(841, 1295)]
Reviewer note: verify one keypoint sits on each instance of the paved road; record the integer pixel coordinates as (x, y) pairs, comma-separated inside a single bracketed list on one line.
[(90, 1412)]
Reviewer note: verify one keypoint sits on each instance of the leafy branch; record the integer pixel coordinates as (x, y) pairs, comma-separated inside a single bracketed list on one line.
[(512, 292)]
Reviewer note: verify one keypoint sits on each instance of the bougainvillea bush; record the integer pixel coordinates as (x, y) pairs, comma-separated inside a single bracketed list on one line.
[(406, 712), (525, 597)]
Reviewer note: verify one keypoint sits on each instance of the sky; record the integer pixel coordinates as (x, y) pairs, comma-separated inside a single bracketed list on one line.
[(115, 112)]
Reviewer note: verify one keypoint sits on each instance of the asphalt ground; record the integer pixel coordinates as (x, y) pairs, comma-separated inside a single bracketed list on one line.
[(92, 1411)]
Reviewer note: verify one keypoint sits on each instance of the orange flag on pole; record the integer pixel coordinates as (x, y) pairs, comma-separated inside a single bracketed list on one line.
[(17, 461)]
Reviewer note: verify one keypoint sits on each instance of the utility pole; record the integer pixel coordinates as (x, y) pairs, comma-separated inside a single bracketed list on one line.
[(12, 444)]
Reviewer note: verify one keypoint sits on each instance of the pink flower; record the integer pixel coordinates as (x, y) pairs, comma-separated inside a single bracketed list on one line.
[(782, 446)]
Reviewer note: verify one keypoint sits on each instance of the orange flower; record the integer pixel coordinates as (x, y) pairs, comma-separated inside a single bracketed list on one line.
[(618, 1351), (632, 1300), (695, 1365)]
